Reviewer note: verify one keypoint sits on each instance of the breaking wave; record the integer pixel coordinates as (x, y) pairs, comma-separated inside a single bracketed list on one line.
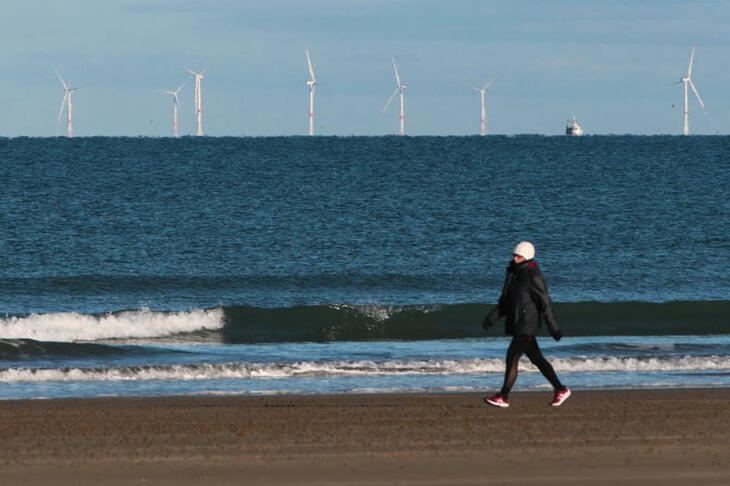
[(71, 326), (330, 369), (323, 323)]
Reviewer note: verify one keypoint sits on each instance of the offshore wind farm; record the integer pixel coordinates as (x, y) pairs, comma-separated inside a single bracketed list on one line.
[(399, 91), (582, 60)]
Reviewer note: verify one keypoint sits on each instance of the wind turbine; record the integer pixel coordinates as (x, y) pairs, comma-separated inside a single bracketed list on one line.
[(175, 105), (66, 103), (482, 92), (198, 98), (687, 80), (312, 83), (399, 89)]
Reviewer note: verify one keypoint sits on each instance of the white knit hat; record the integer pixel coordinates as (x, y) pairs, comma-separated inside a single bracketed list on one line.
[(525, 250)]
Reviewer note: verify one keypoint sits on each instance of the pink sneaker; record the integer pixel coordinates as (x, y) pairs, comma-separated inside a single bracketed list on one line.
[(560, 397), (497, 401)]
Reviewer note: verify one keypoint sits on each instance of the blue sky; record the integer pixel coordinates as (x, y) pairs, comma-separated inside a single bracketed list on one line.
[(609, 62)]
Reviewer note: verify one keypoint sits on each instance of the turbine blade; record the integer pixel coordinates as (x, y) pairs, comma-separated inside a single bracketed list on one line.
[(190, 71), (698, 96), (395, 68), (389, 100), (65, 86), (486, 86), (311, 70), (691, 59), (179, 88), (204, 70), (63, 103)]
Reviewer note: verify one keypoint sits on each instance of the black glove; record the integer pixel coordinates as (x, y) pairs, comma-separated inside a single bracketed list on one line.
[(557, 335)]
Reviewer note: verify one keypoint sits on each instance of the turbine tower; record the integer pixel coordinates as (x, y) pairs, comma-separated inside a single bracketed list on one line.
[(175, 105), (687, 80), (66, 103), (312, 83), (482, 92), (198, 98), (399, 89)]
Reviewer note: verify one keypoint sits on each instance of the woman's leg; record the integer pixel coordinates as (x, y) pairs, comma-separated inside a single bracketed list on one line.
[(532, 350), (516, 349)]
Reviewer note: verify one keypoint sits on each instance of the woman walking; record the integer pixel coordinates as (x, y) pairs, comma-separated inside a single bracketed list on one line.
[(523, 302)]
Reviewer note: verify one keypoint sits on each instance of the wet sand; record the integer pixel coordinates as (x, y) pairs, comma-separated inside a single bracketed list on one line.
[(607, 437)]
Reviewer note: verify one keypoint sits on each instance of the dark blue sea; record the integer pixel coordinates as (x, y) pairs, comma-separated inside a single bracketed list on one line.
[(159, 266)]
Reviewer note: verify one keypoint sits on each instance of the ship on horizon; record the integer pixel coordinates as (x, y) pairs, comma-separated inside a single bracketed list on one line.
[(572, 127)]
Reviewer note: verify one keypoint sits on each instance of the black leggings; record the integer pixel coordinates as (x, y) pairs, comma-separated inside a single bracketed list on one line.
[(527, 345)]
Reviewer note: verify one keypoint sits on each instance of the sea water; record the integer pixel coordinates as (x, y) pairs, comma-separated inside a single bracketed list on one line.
[(143, 266)]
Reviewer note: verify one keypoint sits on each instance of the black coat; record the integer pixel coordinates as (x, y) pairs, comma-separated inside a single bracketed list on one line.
[(524, 301)]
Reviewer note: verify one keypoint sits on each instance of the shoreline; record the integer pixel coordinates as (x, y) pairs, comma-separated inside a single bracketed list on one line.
[(665, 436), (488, 390)]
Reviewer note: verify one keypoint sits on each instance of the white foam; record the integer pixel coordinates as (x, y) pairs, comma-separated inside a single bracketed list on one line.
[(71, 326), (678, 363), (328, 369), (382, 313)]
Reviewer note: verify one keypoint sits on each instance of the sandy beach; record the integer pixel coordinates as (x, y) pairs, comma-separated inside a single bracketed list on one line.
[(607, 437)]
